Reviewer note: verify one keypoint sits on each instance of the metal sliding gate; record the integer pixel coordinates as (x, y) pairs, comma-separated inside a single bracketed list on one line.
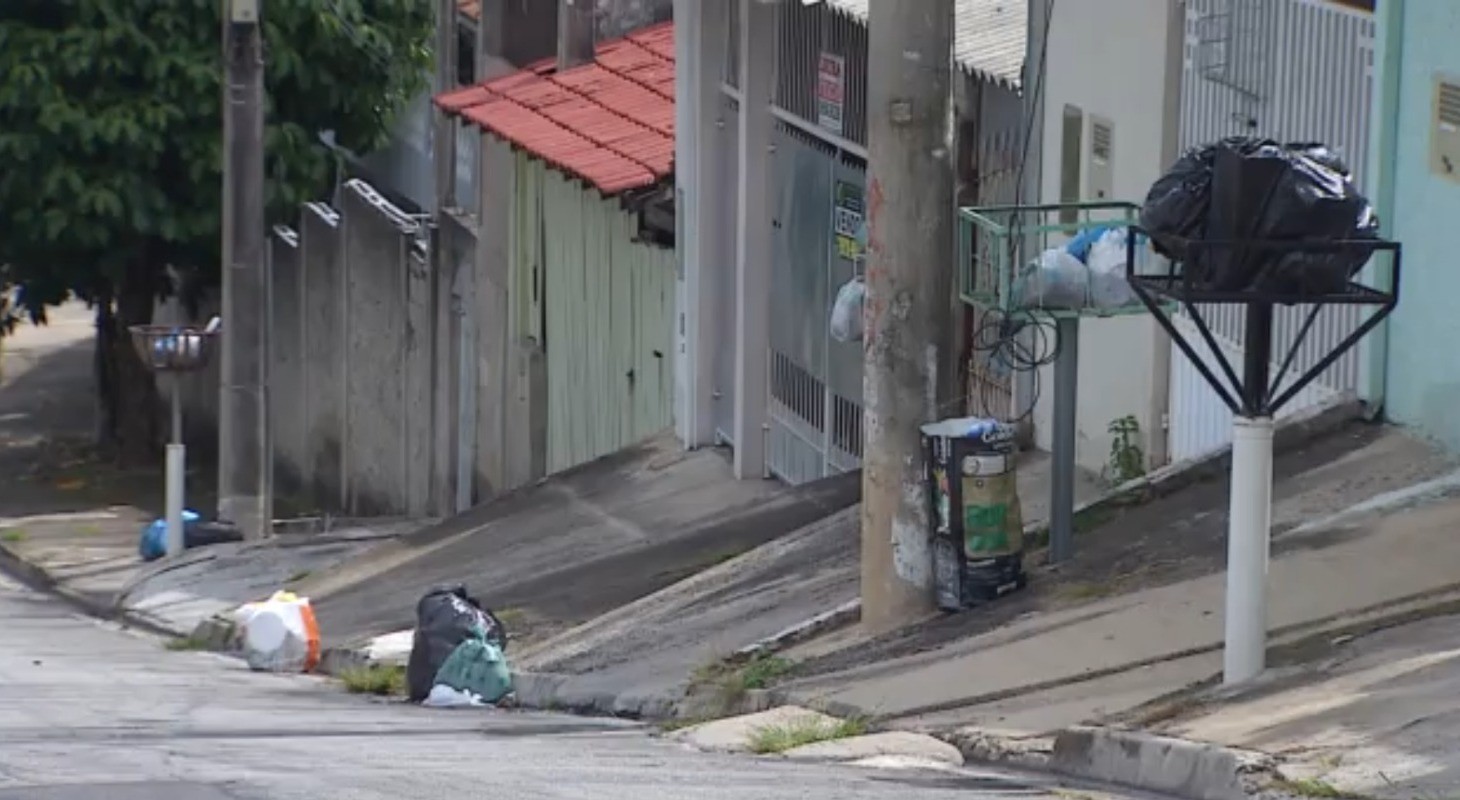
[(1292, 70), (815, 381)]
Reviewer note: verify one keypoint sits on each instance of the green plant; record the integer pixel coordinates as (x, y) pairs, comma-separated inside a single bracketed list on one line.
[(1127, 460), (13, 536), (764, 670), (726, 683), (780, 738), (376, 679)]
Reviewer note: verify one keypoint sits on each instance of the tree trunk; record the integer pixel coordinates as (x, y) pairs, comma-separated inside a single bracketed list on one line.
[(131, 412)]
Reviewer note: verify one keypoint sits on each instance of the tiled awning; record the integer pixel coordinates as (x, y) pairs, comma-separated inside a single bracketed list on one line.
[(609, 122)]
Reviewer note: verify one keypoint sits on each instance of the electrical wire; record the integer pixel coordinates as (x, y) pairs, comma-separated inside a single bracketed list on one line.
[(1008, 344)]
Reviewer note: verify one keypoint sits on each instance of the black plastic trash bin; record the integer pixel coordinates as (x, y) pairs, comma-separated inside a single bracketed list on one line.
[(978, 528)]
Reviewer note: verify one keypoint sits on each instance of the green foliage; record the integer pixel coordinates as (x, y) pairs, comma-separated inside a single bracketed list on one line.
[(1127, 459), (111, 127)]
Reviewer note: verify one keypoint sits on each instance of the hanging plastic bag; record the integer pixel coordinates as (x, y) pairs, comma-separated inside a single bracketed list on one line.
[(279, 634), (1056, 280), (445, 617), (846, 312), (477, 669)]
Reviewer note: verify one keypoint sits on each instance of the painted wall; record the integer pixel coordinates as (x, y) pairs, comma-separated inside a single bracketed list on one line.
[(1423, 383), (1108, 58)]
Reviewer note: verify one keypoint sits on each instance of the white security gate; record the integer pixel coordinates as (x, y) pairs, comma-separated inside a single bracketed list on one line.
[(815, 381), (1292, 70)]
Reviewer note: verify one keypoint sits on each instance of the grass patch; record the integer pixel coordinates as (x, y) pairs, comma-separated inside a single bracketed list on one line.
[(511, 617), (299, 576), (780, 738), (376, 679), (1312, 787), (185, 644), (724, 684), (12, 536), (762, 671)]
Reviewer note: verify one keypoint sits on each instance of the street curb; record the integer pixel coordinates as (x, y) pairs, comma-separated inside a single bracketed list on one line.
[(1175, 767), (39, 578)]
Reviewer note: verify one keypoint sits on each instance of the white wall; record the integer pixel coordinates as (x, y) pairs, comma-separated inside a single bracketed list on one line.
[(1109, 59)]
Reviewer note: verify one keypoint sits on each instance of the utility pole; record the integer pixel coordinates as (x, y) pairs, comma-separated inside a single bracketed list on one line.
[(242, 419), (575, 33), (909, 282)]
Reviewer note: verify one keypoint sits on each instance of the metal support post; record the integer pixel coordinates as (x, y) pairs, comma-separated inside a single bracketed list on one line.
[(1249, 520), (1062, 463), (176, 471), (1244, 655)]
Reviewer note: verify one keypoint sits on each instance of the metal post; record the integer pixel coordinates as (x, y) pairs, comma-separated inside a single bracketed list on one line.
[(909, 280), (1250, 511), (242, 424), (176, 471), (1250, 517), (1062, 463)]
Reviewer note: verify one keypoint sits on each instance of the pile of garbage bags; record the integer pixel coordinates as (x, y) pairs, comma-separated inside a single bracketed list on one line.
[(1088, 272), (1245, 189), (458, 653)]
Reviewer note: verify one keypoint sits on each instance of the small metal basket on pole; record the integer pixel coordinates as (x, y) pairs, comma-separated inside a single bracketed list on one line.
[(1255, 396), (1025, 321), (174, 351)]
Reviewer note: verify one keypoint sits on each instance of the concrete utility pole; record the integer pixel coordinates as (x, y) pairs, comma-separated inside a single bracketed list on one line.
[(242, 419), (575, 33), (909, 280)]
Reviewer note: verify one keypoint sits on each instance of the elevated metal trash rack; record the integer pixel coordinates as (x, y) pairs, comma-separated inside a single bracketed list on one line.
[(1256, 396), (996, 246)]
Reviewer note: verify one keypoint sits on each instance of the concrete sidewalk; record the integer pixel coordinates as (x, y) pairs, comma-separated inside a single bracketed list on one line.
[(1127, 650), (1373, 716)]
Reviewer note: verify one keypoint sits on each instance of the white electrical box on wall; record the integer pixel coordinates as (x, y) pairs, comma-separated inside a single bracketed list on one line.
[(1445, 128), (1100, 175)]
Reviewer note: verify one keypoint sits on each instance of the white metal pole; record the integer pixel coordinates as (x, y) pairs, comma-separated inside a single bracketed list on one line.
[(1248, 533), (176, 470)]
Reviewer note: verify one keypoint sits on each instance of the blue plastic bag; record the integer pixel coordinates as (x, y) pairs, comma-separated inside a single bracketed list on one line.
[(154, 537), (1079, 247)]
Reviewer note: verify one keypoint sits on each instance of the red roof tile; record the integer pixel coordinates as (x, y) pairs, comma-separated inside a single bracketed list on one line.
[(610, 122)]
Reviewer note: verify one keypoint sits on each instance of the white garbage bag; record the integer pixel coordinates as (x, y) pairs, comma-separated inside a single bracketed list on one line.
[(443, 696), (1108, 285), (279, 634), (846, 312), (1056, 280)]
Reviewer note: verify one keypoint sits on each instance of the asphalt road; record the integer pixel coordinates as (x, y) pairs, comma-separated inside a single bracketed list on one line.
[(92, 712)]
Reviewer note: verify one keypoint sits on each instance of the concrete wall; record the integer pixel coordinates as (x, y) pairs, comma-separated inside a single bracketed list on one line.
[(1108, 59), (352, 366), (1422, 387)]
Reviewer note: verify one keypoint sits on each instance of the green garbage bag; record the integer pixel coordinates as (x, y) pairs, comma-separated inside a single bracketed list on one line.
[(477, 667)]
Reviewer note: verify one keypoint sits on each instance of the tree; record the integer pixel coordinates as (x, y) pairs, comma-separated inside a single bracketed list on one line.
[(111, 149)]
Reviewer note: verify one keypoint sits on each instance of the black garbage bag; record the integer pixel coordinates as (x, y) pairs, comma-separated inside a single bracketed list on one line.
[(445, 616), (1247, 189)]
